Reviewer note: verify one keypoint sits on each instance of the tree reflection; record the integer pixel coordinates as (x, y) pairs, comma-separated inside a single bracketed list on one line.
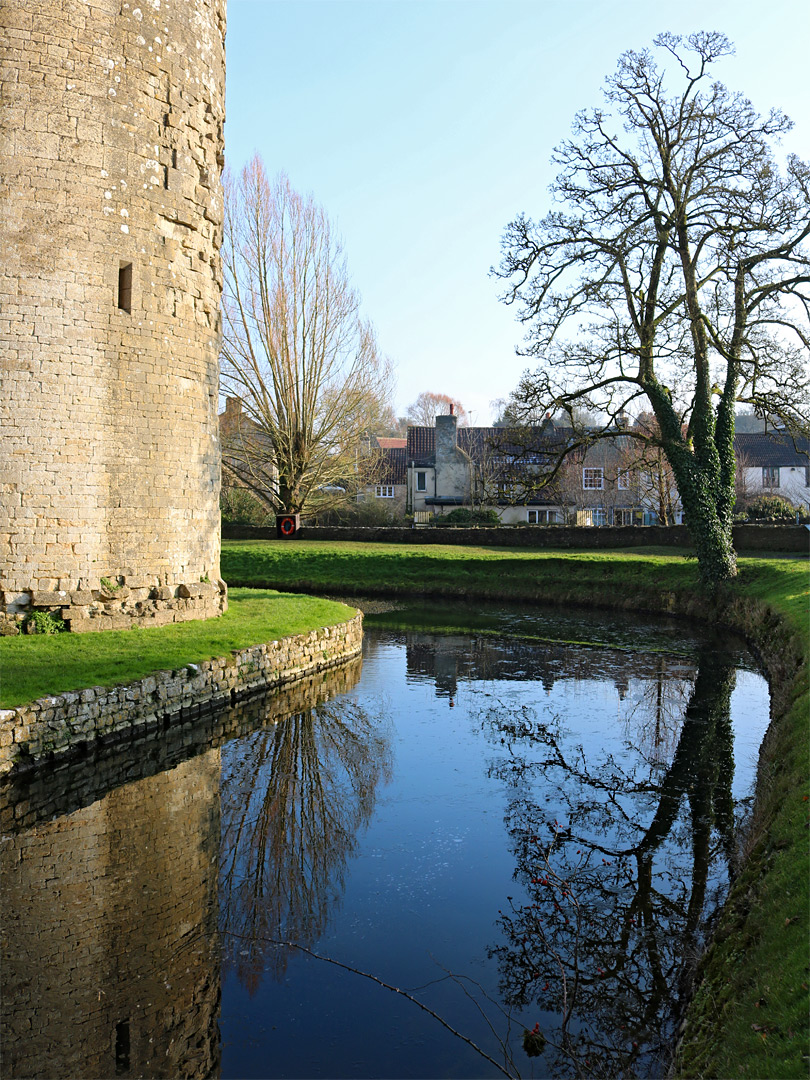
[(619, 864), (293, 799)]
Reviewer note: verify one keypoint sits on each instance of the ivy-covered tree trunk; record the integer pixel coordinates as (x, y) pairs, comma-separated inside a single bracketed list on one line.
[(702, 461), (702, 496)]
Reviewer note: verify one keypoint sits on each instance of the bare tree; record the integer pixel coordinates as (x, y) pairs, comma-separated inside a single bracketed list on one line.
[(648, 471), (428, 406), (678, 260), (604, 939), (743, 487), (296, 351)]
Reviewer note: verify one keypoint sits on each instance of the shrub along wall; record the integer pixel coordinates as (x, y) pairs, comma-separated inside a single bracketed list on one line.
[(53, 725), (787, 538)]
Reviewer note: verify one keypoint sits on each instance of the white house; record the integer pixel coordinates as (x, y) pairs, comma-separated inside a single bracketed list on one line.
[(770, 463)]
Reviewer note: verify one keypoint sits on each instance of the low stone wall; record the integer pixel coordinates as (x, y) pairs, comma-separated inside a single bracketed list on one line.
[(787, 538), (115, 606), (54, 725)]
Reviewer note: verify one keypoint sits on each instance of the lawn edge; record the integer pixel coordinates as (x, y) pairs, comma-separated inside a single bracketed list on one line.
[(60, 724)]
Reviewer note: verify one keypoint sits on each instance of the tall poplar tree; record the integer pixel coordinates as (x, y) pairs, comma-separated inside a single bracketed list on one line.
[(297, 353)]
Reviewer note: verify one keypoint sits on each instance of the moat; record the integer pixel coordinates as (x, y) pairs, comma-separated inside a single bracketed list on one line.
[(527, 838)]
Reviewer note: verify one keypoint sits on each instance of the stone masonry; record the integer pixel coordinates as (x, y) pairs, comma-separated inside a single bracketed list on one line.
[(110, 954), (52, 726), (110, 284)]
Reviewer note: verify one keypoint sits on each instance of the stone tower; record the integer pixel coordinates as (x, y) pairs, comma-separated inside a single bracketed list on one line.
[(110, 283)]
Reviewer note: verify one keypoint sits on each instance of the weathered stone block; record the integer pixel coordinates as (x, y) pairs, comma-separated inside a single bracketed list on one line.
[(48, 599), (85, 626), (191, 591)]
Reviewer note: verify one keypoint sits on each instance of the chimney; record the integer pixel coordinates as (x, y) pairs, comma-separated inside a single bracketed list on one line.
[(446, 426), (452, 409)]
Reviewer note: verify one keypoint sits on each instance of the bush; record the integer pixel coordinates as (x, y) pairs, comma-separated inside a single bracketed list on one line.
[(368, 513), (463, 516), (239, 507), (771, 507)]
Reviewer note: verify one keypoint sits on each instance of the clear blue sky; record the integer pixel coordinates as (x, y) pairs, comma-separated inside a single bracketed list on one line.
[(424, 126)]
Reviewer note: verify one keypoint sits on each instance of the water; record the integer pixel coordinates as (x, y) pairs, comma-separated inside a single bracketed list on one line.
[(527, 839)]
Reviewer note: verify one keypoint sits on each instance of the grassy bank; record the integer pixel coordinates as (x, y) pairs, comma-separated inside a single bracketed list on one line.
[(439, 570), (749, 1013), (637, 580), (36, 665)]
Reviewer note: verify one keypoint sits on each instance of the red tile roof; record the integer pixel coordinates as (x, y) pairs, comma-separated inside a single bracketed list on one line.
[(393, 468)]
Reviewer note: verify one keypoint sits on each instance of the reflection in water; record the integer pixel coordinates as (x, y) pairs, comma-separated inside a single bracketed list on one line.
[(110, 960), (451, 659), (108, 886), (293, 800), (615, 860), (135, 880)]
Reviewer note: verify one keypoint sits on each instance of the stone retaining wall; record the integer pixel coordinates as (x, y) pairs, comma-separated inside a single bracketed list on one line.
[(787, 538), (54, 725)]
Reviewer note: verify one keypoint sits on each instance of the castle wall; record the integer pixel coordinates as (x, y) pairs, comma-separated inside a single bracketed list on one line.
[(110, 282), (110, 950)]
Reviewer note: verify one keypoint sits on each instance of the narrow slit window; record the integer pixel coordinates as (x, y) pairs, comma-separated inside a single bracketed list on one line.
[(125, 287), (122, 1065)]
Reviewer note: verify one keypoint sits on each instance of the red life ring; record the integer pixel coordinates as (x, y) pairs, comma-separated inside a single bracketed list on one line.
[(287, 526)]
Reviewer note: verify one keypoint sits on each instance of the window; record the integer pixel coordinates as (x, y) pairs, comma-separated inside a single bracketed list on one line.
[(625, 479), (384, 491), (421, 481), (541, 517), (622, 517), (770, 476), (122, 1048), (125, 287), (593, 478)]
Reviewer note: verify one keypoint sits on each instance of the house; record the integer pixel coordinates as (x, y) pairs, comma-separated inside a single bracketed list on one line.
[(450, 467), (619, 481), (607, 483), (772, 463), (390, 484)]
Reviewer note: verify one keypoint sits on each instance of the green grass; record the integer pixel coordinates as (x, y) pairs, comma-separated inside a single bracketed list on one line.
[(37, 665), (443, 570)]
